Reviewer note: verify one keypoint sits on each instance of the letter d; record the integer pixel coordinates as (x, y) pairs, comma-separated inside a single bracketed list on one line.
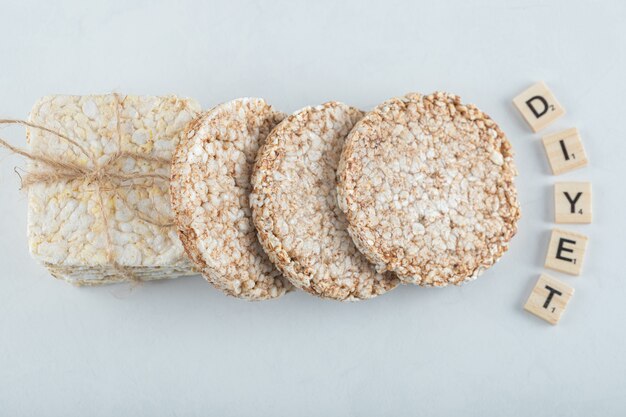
[(532, 108)]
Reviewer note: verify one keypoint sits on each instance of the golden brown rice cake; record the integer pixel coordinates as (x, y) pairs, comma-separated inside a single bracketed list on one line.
[(426, 184), (210, 187), (294, 206)]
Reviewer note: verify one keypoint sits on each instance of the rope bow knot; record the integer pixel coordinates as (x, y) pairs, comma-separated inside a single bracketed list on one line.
[(98, 175)]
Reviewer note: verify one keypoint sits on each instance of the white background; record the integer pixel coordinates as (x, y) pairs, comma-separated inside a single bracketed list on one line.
[(182, 348)]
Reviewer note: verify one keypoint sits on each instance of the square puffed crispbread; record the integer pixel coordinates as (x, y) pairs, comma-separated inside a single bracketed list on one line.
[(66, 231)]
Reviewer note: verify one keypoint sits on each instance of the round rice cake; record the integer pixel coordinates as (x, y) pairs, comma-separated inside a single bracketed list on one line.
[(210, 185), (426, 184), (294, 206)]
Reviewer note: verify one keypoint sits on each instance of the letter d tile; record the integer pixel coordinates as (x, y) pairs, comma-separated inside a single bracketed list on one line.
[(538, 106)]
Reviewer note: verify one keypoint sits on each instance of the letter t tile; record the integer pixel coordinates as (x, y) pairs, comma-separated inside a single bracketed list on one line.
[(549, 299)]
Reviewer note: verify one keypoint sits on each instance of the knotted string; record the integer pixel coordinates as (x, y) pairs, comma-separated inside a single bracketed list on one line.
[(98, 174)]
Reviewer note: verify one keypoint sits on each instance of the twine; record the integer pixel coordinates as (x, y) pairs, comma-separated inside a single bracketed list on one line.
[(98, 174)]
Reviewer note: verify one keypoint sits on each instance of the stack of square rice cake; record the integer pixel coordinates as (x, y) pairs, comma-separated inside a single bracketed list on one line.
[(97, 229)]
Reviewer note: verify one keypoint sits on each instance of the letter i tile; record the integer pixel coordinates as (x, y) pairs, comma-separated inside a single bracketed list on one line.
[(565, 151)]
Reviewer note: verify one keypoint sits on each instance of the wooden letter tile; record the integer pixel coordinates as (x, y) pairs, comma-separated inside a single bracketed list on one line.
[(566, 252), (549, 299), (538, 106), (572, 202), (565, 151)]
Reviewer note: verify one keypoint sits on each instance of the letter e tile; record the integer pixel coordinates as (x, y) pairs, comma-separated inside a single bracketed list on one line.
[(566, 252), (548, 299)]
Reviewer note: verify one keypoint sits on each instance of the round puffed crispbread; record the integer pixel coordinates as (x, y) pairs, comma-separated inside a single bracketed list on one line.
[(426, 184), (294, 206), (210, 186)]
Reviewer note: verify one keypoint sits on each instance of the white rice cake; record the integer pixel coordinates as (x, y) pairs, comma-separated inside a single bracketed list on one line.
[(210, 196), (66, 229), (295, 211), (426, 183)]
